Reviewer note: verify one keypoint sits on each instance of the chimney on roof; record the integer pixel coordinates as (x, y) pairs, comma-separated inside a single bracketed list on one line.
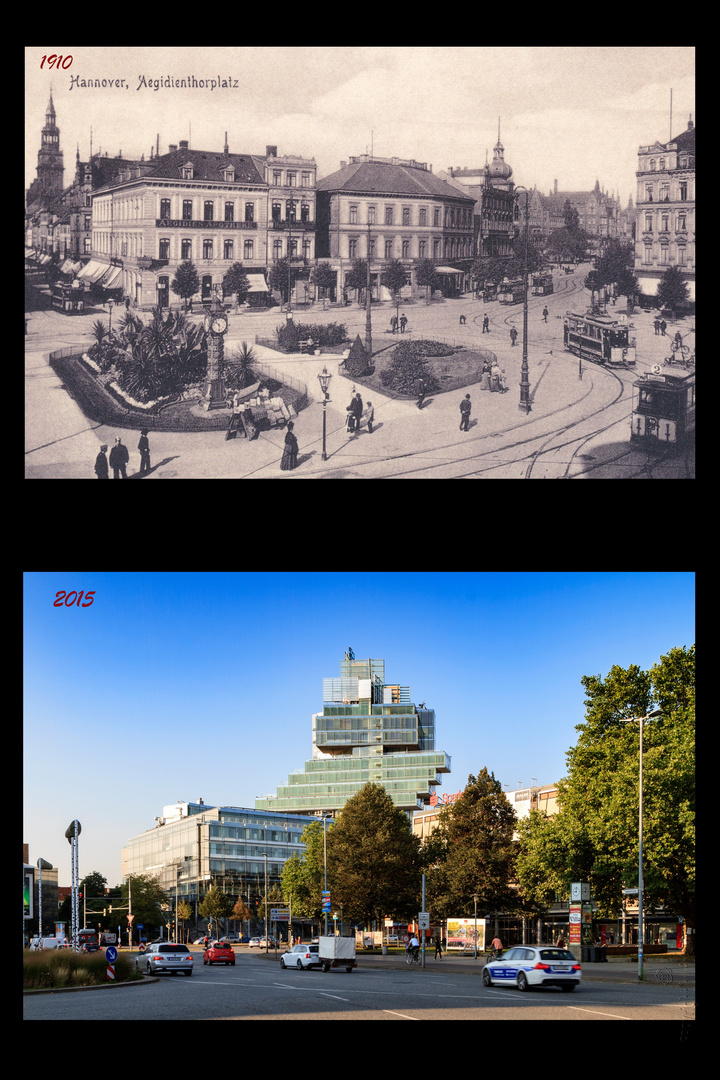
[(556, 187), (183, 144), (172, 148), (690, 123), (271, 151), (225, 147)]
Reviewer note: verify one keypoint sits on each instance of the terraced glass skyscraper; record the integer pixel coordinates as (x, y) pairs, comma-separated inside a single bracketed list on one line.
[(368, 730)]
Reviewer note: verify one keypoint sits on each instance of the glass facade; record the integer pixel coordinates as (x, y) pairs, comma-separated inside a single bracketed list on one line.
[(202, 845), (368, 731)]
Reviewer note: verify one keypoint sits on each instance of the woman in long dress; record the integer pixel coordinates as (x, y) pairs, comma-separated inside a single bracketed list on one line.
[(289, 458)]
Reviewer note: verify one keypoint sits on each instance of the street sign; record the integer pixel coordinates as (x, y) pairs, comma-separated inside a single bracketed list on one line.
[(424, 920), (111, 954), (326, 901)]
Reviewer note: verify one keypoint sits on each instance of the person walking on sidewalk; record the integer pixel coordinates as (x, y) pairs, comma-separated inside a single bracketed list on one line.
[(144, 448), (438, 947), (513, 335), (465, 407)]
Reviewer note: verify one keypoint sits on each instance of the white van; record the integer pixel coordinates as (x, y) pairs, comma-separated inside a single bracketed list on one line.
[(37, 943)]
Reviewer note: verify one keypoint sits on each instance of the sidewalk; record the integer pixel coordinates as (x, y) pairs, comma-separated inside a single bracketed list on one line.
[(610, 972)]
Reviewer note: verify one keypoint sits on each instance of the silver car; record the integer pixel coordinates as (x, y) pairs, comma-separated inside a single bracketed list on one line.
[(165, 956)]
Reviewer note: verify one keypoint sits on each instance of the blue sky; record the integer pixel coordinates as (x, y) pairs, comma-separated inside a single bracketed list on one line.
[(175, 686)]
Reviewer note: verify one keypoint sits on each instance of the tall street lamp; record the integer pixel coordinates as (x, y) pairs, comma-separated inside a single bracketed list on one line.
[(630, 720), (524, 404), (324, 384)]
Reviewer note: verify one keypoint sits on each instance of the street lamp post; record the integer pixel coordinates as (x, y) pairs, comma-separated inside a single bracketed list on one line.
[(524, 403), (630, 720), (324, 378)]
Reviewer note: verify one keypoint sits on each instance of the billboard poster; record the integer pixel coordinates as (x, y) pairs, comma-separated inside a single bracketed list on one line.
[(461, 933)]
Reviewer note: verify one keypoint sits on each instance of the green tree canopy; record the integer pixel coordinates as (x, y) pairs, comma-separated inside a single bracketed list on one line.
[(595, 836), (471, 852), (374, 858)]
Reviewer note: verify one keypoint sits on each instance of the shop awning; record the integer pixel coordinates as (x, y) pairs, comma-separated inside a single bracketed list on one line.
[(112, 279), (447, 270), (93, 271)]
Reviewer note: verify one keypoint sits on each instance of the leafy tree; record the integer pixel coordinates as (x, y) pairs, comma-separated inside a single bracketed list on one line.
[(471, 851), (595, 835), (672, 290), (304, 875), (406, 367), (148, 899), (215, 905), (426, 275), (324, 277), (186, 281), (394, 277), (357, 277), (374, 858), (235, 282), (184, 912)]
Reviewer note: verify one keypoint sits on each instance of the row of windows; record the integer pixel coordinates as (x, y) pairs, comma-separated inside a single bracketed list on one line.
[(669, 253), (666, 220), (452, 248), (294, 211), (454, 216)]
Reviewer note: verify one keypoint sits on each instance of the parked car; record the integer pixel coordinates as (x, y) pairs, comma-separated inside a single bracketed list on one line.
[(527, 966), (261, 941), (219, 953), (301, 956), (165, 956)]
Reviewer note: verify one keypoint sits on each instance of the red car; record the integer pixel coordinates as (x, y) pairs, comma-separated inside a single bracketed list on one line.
[(219, 953)]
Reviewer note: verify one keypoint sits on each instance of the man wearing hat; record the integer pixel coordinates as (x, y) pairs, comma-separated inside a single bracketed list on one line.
[(144, 448)]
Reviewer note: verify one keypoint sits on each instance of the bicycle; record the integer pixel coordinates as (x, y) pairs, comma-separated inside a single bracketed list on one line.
[(681, 355), (412, 958)]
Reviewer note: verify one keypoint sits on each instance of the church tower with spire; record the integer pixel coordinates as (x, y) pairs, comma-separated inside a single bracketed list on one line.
[(50, 167)]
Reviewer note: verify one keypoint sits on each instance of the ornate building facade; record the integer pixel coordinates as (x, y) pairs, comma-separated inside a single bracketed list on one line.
[(391, 208), (665, 209)]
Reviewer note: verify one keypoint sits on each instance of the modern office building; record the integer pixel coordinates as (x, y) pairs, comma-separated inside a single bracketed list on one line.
[(368, 730), (194, 846)]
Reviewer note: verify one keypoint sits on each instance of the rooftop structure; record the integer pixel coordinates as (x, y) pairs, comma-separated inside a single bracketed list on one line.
[(368, 730)]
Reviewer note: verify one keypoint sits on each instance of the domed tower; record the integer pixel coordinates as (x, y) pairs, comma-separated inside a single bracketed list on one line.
[(499, 172)]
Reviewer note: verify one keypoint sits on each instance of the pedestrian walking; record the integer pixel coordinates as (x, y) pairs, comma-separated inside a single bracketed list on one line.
[(486, 324), (101, 464), (545, 313), (119, 458), (560, 943), (144, 448), (438, 947), (465, 407), (495, 378), (393, 324), (350, 419), (421, 391), (656, 324), (369, 415), (485, 378), (290, 453), (462, 320), (403, 322), (358, 410), (513, 335), (663, 326), (503, 381)]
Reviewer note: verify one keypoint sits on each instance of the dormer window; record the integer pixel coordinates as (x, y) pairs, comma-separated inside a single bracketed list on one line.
[(188, 170), (229, 173)]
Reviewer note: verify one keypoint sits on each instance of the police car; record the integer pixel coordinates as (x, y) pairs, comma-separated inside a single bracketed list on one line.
[(526, 966)]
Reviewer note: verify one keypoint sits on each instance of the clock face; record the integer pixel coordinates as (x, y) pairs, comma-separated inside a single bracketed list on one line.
[(219, 324)]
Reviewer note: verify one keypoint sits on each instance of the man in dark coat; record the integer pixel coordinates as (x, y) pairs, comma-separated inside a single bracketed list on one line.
[(465, 407), (119, 458)]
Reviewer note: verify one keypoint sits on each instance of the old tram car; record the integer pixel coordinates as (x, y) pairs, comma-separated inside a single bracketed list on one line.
[(511, 292), (68, 298), (599, 338), (542, 284), (663, 408)]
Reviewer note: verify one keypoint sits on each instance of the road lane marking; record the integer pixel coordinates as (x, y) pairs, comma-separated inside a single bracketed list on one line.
[(403, 1015), (615, 1016)]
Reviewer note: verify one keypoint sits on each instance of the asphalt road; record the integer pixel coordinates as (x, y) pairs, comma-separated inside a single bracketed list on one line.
[(259, 989)]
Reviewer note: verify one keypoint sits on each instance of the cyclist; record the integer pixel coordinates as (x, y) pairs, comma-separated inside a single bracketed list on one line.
[(496, 948), (413, 946)]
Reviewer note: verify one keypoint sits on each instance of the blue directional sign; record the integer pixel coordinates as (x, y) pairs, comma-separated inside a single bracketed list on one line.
[(111, 954)]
